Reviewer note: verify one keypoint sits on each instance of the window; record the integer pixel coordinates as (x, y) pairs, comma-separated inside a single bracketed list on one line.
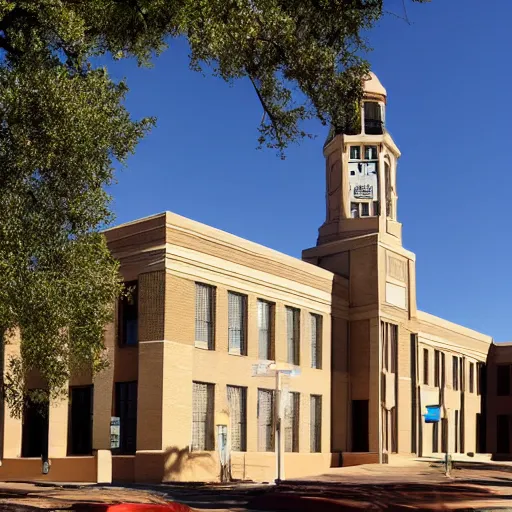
[(471, 377), (354, 210), (443, 370), (293, 335), (355, 153), (205, 316), (203, 396), (126, 410), (316, 423), (503, 379), (455, 372), (462, 379), (435, 437), (376, 209), (265, 420), (425, 366), (265, 327), (80, 420), (437, 373), (291, 422), (370, 153), (389, 346), (456, 431), (316, 341), (480, 378), (237, 399), (128, 319), (365, 209), (372, 118), (237, 321)]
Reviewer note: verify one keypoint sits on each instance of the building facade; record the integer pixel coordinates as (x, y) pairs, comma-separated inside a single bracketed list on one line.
[(184, 398)]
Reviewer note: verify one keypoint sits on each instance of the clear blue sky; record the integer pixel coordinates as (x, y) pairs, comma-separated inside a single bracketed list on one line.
[(448, 78)]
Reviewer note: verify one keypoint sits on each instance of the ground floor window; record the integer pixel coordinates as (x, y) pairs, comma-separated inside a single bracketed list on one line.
[(435, 437), (291, 422), (203, 416), (237, 398), (316, 423), (503, 433), (265, 420), (34, 441), (80, 420), (126, 410)]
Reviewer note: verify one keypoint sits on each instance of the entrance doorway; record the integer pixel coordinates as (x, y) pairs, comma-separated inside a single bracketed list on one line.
[(80, 421), (34, 441), (360, 426)]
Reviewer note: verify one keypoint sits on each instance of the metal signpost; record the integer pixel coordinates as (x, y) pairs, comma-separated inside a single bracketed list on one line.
[(276, 370), (433, 415)]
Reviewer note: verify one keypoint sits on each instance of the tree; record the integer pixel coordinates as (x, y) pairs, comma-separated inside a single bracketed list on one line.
[(63, 127)]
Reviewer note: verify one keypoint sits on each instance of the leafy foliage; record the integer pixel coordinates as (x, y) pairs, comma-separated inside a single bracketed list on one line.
[(63, 126)]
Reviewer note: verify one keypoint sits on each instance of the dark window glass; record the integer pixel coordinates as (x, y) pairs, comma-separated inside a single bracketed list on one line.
[(126, 410), (437, 375), (503, 379), (129, 315), (34, 442), (471, 377), (455, 371), (425, 366), (80, 420)]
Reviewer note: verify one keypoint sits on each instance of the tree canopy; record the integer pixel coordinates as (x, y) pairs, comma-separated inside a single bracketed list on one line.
[(64, 126)]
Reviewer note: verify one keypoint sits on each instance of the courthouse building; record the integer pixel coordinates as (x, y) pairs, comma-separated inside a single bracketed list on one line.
[(206, 306)]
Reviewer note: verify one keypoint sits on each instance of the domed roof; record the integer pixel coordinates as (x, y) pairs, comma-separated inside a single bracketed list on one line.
[(373, 85)]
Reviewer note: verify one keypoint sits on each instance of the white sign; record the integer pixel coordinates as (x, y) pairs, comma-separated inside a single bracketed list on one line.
[(262, 370), (115, 432), (363, 180)]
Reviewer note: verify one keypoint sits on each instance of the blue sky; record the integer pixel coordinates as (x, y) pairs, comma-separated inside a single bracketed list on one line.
[(447, 76)]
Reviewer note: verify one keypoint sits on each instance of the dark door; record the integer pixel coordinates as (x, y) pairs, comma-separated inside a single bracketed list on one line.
[(359, 425), (503, 432), (81, 420), (126, 410), (35, 430)]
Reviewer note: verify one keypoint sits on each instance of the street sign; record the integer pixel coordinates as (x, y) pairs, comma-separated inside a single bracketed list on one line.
[(263, 370), (433, 414)]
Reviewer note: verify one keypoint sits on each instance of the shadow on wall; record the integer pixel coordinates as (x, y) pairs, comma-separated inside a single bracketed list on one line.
[(181, 464)]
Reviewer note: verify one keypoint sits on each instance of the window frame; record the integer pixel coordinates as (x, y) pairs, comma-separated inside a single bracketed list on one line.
[(315, 413), (243, 417), (270, 446), (270, 342), (122, 317), (426, 366), (209, 427), (316, 348), (211, 294), (240, 350), (296, 338)]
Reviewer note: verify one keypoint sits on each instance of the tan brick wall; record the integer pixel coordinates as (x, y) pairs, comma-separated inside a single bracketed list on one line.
[(151, 306)]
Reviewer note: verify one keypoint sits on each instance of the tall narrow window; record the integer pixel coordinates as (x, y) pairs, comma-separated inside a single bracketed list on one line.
[(316, 341), (457, 431), (462, 380), (265, 324), (503, 434), (315, 423), (455, 372), (293, 335), (437, 373), (471, 377), (425, 366), (202, 416), (435, 437), (389, 201), (503, 379), (80, 420), (265, 420), (389, 333), (372, 118), (237, 398), (205, 316), (126, 410), (291, 422), (237, 322), (128, 315), (443, 370), (480, 378)]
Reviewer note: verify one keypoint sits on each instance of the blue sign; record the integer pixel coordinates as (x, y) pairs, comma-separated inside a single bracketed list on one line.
[(433, 414)]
